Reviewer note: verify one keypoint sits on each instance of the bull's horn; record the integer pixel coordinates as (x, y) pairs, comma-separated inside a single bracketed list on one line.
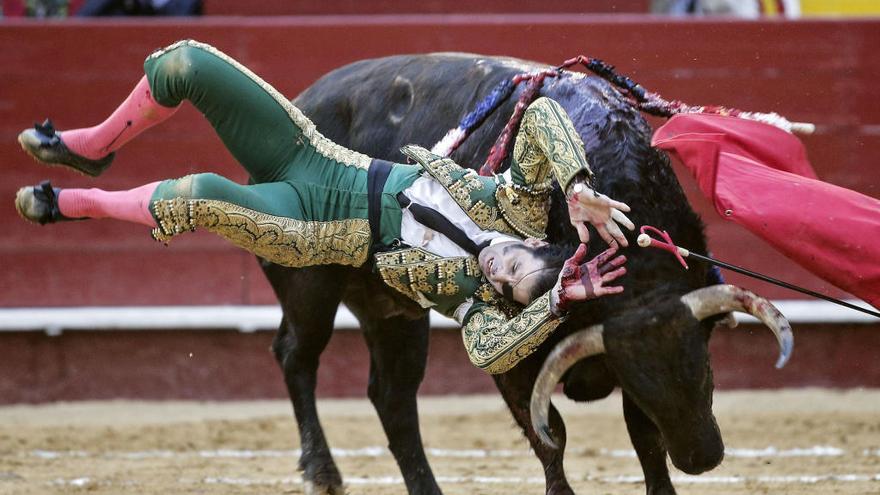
[(718, 299), (570, 350)]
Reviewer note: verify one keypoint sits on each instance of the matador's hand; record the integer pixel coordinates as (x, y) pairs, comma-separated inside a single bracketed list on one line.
[(579, 281), (604, 213)]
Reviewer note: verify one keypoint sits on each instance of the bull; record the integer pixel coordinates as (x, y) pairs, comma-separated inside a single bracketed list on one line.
[(651, 341)]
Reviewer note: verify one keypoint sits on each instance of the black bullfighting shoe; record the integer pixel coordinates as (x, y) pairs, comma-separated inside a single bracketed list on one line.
[(39, 204), (45, 145)]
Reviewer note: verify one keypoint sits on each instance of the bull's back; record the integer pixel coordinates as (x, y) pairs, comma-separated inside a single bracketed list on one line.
[(376, 106)]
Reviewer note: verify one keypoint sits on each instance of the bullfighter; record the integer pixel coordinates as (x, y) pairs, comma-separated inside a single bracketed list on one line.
[(468, 246)]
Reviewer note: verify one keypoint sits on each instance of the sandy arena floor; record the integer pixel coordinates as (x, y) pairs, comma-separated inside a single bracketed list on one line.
[(785, 442)]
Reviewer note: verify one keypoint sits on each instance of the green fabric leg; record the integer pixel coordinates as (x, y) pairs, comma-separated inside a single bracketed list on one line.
[(253, 127), (272, 220), (305, 185), (263, 198), (266, 134)]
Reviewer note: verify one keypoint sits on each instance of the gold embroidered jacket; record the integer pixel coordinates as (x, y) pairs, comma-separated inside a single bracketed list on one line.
[(497, 334)]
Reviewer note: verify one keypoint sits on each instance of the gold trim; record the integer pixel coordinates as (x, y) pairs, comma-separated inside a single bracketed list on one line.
[(526, 213), (496, 343), (410, 271), (444, 171), (324, 146), (173, 218), (281, 240), (547, 140)]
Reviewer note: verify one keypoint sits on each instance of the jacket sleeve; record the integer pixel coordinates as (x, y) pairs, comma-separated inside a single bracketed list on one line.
[(547, 143), (496, 342)]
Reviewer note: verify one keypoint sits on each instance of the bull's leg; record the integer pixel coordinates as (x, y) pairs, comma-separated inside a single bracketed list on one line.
[(516, 388), (649, 447), (398, 353), (309, 298)]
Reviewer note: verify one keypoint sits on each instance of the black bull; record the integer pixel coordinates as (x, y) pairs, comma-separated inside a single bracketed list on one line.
[(655, 350)]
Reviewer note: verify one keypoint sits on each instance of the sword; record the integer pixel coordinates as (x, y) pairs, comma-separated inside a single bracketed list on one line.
[(680, 253)]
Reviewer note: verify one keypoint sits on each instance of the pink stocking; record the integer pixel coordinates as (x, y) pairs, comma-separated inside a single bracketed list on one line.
[(132, 205), (136, 114)]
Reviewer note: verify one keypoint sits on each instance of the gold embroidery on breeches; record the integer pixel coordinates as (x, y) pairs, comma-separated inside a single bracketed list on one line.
[(324, 146), (281, 240)]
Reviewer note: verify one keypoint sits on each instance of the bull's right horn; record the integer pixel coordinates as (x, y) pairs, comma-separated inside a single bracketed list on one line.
[(717, 299), (570, 350)]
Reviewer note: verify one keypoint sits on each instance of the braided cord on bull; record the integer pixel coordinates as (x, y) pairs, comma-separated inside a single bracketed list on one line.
[(642, 99), (654, 104), (501, 148), (454, 137), (474, 119)]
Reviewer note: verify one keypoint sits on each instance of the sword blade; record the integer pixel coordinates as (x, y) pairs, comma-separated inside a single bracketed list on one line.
[(780, 283)]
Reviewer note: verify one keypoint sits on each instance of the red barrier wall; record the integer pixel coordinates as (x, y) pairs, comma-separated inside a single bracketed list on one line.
[(220, 365), (77, 71)]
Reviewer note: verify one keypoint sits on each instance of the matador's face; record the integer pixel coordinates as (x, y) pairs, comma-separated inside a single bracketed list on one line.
[(513, 269)]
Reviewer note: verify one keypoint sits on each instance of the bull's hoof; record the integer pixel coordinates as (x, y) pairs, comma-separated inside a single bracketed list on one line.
[(313, 488)]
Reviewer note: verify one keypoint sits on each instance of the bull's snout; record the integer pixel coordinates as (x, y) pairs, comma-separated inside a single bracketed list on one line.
[(700, 460)]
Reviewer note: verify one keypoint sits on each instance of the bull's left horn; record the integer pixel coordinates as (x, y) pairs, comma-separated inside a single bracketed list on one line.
[(570, 350), (718, 299)]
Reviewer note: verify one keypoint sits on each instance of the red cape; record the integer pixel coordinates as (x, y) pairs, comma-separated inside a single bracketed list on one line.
[(758, 176)]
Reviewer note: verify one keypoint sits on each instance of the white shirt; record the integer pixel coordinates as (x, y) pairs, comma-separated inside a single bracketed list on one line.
[(426, 191)]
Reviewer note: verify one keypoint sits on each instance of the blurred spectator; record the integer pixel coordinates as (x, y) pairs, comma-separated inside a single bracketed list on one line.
[(140, 7), (45, 8), (739, 8)]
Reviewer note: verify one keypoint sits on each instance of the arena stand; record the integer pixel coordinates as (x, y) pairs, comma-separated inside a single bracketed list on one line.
[(76, 71), (355, 7)]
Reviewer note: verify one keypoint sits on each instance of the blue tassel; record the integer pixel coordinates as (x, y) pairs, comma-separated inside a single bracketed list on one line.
[(476, 117)]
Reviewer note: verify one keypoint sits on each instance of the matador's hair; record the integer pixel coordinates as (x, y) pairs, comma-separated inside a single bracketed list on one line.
[(554, 256)]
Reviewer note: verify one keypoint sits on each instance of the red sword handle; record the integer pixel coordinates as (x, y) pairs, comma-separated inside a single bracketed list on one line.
[(666, 244)]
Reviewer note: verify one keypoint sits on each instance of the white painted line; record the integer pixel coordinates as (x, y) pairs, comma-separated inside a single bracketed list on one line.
[(253, 318), (805, 479), (815, 451), (368, 452), (242, 318)]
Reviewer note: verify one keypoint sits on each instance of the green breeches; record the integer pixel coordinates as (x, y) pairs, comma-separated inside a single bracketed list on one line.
[(308, 201), (269, 220)]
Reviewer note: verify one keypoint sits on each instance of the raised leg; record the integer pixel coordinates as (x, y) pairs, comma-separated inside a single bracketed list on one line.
[(516, 388), (649, 447), (137, 113), (398, 353), (256, 123), (309, 298)]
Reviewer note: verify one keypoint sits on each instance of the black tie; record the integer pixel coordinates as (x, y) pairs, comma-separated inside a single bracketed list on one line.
[(432, 219)]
